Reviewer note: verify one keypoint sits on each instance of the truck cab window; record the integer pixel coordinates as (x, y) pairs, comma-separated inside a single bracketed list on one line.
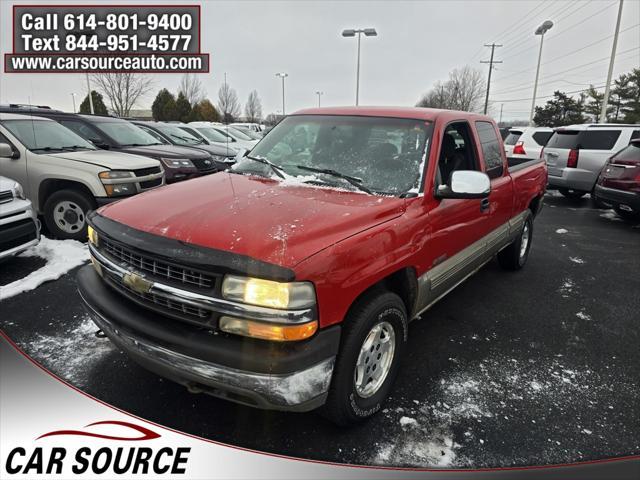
[(457, 152), (491, 149)]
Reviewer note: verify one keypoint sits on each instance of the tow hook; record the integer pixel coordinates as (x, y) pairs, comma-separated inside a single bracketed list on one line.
[(100, 334)]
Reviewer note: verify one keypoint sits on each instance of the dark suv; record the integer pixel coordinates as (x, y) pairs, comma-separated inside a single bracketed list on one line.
[(619, 182), (172, 134), (112, 133)]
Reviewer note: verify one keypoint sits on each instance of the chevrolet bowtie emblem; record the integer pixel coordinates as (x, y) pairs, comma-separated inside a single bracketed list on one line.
[(136, 282)]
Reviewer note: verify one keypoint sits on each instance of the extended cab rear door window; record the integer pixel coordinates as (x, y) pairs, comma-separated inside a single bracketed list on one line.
[(491, 149)]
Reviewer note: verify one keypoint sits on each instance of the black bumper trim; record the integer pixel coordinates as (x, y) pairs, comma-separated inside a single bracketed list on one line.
[(618, 197)]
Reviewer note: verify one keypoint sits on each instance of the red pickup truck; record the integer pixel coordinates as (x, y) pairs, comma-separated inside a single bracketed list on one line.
[(288, 282)]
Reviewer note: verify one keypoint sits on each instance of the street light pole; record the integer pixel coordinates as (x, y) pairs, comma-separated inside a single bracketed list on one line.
[(73, 97), (282, 76), (541, 30), (352, 32), (90, 96), (607, 88), (319, 93)]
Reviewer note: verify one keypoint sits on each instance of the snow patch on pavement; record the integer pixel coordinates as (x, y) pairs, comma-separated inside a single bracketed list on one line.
[(60, 255), (70, 354), (576, 260), (611, 215), (562, 230)]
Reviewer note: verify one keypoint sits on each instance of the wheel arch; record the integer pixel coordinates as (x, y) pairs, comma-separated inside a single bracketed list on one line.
[(52, 185)]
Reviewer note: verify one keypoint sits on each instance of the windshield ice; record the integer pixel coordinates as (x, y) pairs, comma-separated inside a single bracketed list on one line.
[(385, 154)]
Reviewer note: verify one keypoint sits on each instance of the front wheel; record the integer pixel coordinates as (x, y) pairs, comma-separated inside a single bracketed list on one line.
[(65, 214), (373, 341), (514, 256)]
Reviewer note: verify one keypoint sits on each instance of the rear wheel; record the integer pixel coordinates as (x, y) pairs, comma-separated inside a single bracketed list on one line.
[(516, 254), (373, 341), (573, 194), (65, 213)]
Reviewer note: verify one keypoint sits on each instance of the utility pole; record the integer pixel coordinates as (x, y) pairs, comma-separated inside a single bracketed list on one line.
[(490, 62), (500, 121), (319, 93), (282, 76), (607, 88)]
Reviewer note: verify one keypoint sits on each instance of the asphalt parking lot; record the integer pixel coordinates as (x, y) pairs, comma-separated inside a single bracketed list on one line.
[(535, 367)]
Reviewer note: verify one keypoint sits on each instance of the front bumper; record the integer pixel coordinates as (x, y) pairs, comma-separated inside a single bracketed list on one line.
[(572, 178), (19, 228), (279, 376), (616, 198)]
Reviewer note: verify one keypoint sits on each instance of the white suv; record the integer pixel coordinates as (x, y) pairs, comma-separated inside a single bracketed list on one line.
[(19, 227), (526, 143), (576, 154)]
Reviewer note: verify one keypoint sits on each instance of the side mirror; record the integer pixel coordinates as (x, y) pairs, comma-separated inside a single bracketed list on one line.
[(99, 143), (466, 184), (7, 152)]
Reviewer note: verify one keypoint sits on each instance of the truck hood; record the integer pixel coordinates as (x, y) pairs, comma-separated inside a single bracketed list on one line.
[(166, 151), (261, 218), (108, 159)]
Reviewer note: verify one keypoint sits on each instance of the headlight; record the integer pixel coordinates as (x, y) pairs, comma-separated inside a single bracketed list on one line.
[(177, 162), (267, 293), (113, 187), (93, 235), (18, 191), (267, 331), (218, 158)]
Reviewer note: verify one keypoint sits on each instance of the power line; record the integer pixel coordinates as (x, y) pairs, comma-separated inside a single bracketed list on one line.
[(579, 23), (572, 52), (511, 90), (547, 96)]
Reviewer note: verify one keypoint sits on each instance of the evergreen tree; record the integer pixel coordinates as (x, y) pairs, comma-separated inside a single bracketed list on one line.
[(164, 106), (99, 108), (183, 108)]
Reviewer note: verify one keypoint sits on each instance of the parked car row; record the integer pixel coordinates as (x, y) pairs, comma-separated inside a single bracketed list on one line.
[(70, 164), (600, 159)]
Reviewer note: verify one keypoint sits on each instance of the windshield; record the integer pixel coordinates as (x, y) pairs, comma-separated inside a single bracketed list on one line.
[(237, 134), (385, 154), (212, 134), (46, 135), (127, 134), (178, 135)]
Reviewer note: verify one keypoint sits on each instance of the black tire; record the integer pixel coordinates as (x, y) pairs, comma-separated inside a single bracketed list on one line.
[(633, 216), (344, 405), (74, 203), (572, 194), (512, 257)]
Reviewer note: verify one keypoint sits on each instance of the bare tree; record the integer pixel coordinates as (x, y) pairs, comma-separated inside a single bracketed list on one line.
[(463, 90), (228, 103), (191, 87), (122, 89), (253, 107)]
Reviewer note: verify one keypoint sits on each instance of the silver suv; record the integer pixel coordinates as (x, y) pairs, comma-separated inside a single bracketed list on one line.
[(19, 227), (576, 154), (65, 176)]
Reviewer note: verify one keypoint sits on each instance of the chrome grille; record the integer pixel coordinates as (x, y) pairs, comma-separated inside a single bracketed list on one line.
[(179, 307), (157, 268)]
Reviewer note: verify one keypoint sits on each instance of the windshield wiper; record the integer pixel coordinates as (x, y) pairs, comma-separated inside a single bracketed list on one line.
[(76, 147), (276, 169), (188, 140), (355, 181)]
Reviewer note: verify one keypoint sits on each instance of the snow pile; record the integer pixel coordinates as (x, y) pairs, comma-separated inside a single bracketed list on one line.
[(72, 353), (562, 230), (611, 215), (61, 256)]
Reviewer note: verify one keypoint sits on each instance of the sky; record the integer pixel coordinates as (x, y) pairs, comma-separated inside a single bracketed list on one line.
[(418, 44)]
